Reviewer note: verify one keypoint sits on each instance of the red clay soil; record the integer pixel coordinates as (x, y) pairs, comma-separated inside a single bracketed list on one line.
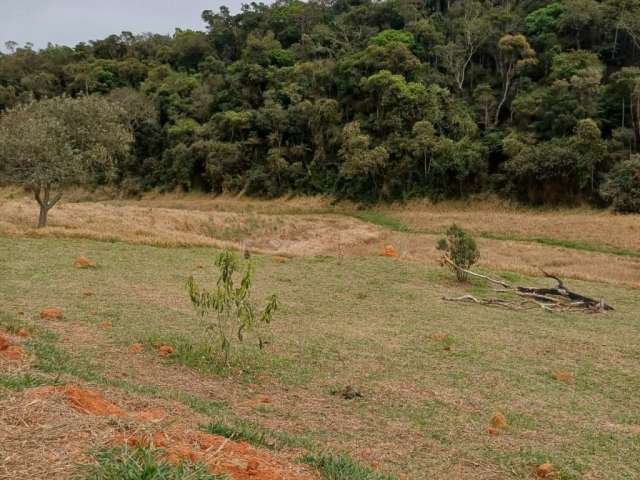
[(51, 314), (498, 421), (9, 351), (544, 470), (84, 401), (14, 352), (238, 460), (389, 251), (84, 262), (166, 350)]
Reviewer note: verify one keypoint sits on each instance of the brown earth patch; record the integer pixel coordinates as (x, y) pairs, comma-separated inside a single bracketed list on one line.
[(85, 401), (84, 262), (564, 376), (51, 313), (499, 421), (544, 470), (165, 349)]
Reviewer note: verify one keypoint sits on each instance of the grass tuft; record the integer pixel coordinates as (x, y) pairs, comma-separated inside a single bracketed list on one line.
[(140, 464), (342, 467)]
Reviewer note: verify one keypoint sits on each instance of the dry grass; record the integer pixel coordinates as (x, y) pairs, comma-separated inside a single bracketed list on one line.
[(286, 234), (599, 227), (281, 227)]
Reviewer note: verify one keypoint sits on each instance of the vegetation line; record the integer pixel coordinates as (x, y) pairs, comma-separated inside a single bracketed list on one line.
[(390, 223)]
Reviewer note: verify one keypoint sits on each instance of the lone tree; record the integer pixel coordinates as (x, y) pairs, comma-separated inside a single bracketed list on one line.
[(52, 144)]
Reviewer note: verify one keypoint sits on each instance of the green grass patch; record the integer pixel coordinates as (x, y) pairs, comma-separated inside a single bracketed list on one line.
[(22, 381), (255, 434), (382, 220), (140, 464), (342, 467)]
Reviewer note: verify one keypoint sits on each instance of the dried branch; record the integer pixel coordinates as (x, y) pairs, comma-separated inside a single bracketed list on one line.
[(553, 299)]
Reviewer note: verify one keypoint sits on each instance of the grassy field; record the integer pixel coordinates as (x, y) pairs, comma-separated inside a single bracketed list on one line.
[(431, 373)]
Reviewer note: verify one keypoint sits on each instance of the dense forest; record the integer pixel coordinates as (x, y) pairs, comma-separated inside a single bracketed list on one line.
[(370, 100)]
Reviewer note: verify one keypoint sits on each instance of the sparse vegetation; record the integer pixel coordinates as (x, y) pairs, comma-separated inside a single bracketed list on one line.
[(141, 464), (235, 316), (342, 467)]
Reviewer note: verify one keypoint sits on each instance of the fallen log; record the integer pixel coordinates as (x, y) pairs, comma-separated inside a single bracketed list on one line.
[(551, 299)]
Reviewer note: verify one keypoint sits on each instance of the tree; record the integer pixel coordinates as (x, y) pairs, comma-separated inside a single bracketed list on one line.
[(622, 186), (515, 53), (49, 145)]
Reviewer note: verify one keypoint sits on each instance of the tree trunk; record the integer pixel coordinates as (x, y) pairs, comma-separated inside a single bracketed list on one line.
[(43, 197), (42, 219)]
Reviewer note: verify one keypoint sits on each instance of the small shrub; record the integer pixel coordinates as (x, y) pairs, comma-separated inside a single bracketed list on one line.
[(622, 186), (227, 311), (460, 248)]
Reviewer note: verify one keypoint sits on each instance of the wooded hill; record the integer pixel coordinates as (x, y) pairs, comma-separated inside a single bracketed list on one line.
[(372, 101)]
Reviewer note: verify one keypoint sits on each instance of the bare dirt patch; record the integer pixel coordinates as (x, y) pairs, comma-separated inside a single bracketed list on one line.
[(238, 460)]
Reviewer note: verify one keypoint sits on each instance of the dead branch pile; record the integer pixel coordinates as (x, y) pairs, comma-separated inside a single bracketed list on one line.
[(552, 299)]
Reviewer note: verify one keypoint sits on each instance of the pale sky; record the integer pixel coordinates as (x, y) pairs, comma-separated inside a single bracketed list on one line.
[(68, 22)]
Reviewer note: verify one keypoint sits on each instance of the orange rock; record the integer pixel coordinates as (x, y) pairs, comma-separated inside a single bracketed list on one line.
[(493, 431), (13, 352), (263, 399), (389, 251), (499, 420), (543, 470), (105, 325), (564, 376), (90, 402), (154, 415), (166, 350), (136, 348), (4, 343), (51, 314), (22, 333), (279, 259), (438, 337), (84, 262)]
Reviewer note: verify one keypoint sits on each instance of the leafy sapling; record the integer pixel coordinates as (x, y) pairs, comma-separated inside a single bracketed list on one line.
[(228, 313)]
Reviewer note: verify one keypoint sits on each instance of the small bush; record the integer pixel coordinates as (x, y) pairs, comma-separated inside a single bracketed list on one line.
[(460, 248), (228, 312), (622, 186)]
